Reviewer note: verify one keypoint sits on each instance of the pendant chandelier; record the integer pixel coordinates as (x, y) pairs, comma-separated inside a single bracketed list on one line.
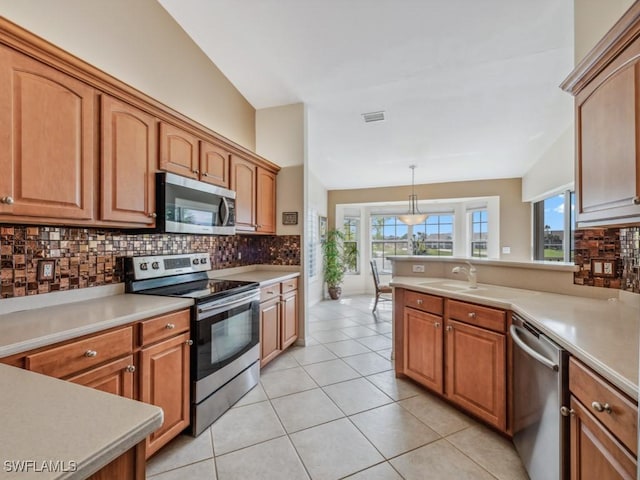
[(414, 216)]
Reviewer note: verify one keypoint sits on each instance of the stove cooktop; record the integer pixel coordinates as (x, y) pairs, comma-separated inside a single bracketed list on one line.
[(203, 289)]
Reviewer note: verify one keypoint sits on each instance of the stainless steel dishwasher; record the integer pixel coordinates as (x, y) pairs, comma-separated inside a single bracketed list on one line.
[(540, 390)]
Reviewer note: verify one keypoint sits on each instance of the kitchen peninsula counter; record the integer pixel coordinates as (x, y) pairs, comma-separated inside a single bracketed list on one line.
[(601, 333), (52, 429)]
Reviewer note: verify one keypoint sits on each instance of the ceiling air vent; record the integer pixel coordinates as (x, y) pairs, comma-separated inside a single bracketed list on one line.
[(373, 117)]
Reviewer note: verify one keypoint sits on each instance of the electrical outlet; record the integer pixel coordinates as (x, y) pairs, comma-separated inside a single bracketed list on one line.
[(418, 269), (239, 256), (506, 250)]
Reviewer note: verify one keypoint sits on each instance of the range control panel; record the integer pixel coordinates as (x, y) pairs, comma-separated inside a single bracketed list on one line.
[(155, 266)]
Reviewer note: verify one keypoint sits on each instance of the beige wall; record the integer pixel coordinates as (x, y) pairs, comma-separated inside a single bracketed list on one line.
[(515, 216), (592, 19), (280, 134), (290, 198), (138, 42)]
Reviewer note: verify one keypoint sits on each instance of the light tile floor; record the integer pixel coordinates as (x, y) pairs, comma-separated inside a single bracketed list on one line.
[(334, 409)]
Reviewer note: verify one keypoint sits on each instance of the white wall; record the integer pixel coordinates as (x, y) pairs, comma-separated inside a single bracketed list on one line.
[(554, 172), (138, 42), (316, 206)]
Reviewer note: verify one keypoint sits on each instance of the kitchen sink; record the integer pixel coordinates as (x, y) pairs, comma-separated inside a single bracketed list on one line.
[(493, 291), (451, 286)]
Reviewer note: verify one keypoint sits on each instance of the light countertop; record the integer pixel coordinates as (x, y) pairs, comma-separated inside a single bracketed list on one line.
[(262, 276), (601, 333), (28, 329), (56, 421)]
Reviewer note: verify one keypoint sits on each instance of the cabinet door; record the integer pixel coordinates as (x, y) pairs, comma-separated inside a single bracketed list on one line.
[(423, 356), (608, 174), (47, 132), (243, 182), (266, 198), (178, 151), (164, 371), (289, 319), (476, 371), (114, 377), (214, 164), (595, 453), (269, 331), (129, 158)]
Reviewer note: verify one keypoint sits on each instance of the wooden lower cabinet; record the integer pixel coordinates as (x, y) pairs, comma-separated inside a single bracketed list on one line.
[(289, 312), (115, 377), (270, 344), (164, 382), (595, 453), (423, 360), (477, 371), (128, 466)]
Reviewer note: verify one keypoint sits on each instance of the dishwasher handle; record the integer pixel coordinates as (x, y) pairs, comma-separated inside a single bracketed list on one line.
[(515, 335)]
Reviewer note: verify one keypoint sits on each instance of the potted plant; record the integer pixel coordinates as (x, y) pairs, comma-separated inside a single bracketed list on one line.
[(333, 264)]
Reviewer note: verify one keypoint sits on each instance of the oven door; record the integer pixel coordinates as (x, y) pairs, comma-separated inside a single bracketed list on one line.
[(226, 331)]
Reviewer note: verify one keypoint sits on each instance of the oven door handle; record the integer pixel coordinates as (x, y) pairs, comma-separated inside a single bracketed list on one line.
[(221, 307)]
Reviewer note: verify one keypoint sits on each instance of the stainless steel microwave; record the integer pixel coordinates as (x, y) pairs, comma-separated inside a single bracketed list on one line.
[(189, 206)]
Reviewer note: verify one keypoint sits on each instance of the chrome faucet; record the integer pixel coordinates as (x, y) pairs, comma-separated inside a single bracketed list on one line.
[(470, 273)]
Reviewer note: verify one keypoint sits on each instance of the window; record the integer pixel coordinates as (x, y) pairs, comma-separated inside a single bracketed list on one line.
[(389, 236), (553, 225), (351, 228), (479, 233), (434, 236), (312, 253)]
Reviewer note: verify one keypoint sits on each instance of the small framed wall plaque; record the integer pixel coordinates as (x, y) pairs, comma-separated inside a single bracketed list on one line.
[(289, 218), (46, 270), (322, 228)]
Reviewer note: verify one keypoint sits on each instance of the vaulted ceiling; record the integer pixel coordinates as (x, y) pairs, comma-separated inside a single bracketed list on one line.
[(469, 88)]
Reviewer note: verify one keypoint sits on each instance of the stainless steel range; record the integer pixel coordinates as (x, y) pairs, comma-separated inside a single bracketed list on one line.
[(224, 327)]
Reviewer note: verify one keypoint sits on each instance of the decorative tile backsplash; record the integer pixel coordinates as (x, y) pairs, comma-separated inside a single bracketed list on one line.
[(88, 257), (608, 257)]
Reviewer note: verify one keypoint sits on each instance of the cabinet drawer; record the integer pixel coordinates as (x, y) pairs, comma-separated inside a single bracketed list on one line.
[(164, 327), (424, 302), (289, 285), (269, 292), (591, 389), (77, 356), (484, 317)]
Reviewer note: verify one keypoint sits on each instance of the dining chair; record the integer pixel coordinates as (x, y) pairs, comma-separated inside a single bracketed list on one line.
[(383, 291)]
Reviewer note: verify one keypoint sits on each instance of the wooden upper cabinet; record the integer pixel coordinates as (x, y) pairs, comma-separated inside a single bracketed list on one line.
[(178, 151), (243, 182), (214, 164), (47, 150), (606, 86), (266, 198), (129, 156)]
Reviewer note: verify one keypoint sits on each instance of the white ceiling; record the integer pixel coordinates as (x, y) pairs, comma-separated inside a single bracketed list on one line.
[(469, 87)]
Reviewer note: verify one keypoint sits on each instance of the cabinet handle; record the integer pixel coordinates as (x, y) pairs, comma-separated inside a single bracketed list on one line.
[(196, 172), (419, 301), (598, 407), (189, 342), (449, 328), (472, 314), (636, 200), (289, 286), (437, 324), (170, 326), (205, 174), (153, 215), (7, 200), (90, 353), (269, 293), (130, 368), (566, 411)]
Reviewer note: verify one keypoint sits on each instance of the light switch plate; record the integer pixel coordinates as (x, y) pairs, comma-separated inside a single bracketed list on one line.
[(506, 250), (417, 269)]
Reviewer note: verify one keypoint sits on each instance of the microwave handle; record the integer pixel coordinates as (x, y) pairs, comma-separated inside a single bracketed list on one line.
[(225, 203)]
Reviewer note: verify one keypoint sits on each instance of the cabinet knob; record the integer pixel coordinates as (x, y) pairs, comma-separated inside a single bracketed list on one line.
[(196, 172), (205, 174), (449, 328), (153, 215), (170, 326), (472, 314), (270, 293), (598, 407), (419, 301), (90, 353), (130, 368), (636, 200), (7, 200), (189, 342), (436, 324), (566, 411)]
